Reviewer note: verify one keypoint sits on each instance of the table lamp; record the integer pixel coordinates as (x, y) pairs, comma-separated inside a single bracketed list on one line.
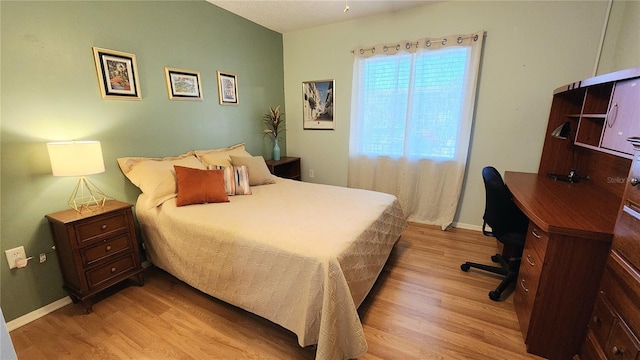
[(562, 132), (79, 158)]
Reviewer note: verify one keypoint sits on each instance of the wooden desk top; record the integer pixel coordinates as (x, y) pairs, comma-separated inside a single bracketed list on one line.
[(574, 209)]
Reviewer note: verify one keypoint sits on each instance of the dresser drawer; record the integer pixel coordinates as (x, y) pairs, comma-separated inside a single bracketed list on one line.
[(627, 238), (106, 249), (89, 231), (111, 271), (621, 284), (602, 320), (633, 192), (591, 350), (623, 344)]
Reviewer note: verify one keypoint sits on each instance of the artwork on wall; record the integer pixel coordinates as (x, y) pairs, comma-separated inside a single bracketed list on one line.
[(227, 88), (117, 74), (318, 105), (183, 84)]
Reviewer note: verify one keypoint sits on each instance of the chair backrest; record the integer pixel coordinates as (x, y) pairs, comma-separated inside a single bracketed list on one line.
[(500, 212)]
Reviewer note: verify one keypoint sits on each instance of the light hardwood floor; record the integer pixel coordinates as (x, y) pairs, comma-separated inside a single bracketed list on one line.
[(422, 307)]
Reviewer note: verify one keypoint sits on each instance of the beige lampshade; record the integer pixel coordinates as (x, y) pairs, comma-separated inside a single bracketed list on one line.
[(75, 158)]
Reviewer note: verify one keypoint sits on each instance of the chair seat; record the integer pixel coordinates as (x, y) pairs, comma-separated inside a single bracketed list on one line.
[(515, 240)]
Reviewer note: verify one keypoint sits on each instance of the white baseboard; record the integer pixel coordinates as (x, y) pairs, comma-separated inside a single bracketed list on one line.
[(467, 226), (38, 313)]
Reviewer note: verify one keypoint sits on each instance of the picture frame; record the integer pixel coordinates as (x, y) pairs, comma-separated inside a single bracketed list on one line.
[(227, 88), (318, 105), (183, 84), (117, 74)]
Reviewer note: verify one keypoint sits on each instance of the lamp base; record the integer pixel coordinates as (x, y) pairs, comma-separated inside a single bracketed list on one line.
[(572, 177), (86, 196)]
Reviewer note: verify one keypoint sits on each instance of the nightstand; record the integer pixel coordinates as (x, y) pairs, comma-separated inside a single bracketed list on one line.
[(287, 167), (96, 249)]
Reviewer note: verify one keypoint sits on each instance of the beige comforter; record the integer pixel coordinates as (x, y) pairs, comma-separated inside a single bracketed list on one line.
[(299, 254)]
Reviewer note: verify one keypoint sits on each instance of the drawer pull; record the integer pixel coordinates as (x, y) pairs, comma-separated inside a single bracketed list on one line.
[(108, 248), (535, 234), (634, 181), (113, 269), (632, 212), (617, 351), (530, 260), (523, 286), (104, 227)]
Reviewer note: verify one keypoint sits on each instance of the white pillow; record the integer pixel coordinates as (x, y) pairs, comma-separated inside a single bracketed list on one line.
[(220, 156), (156, 177), (258, 171)]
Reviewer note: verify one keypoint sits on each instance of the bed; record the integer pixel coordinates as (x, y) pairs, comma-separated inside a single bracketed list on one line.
[(301, 255)]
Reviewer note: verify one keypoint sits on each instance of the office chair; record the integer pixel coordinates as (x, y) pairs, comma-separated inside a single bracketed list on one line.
[(508, 225)]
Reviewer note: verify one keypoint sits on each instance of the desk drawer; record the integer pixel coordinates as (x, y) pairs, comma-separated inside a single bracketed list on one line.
[(89, 231), (527, 288), (627, 238), (537, 240)]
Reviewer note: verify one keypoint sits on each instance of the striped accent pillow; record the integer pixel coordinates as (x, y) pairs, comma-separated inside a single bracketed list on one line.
[(236, 179)]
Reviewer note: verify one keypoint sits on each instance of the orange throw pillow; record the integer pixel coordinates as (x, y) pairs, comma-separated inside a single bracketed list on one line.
[(197, 186)]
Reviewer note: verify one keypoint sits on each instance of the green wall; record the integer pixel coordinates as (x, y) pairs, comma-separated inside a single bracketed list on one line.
[(621, 49), (531, 48), (50, 93)]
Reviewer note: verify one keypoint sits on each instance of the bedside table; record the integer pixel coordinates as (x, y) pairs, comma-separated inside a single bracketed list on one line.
[(96, 249), (287, 167)]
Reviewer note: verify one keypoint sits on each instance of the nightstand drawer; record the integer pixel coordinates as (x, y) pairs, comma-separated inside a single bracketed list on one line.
[(108, 248), (110, 272), (89, 231)]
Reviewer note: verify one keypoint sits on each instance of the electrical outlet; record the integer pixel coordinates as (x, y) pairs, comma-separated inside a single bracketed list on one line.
[(312, 173), (15, 254)]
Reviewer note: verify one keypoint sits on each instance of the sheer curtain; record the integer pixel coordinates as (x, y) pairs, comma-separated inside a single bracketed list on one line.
[(412, 112)]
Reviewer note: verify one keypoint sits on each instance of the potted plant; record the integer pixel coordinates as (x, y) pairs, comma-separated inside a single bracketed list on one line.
[(274, 124)]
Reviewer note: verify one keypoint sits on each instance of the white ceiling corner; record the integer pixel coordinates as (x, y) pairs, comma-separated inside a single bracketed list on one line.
[(289, 15)]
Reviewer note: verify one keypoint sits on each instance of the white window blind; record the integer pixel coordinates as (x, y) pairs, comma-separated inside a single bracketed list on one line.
[(411, 103)]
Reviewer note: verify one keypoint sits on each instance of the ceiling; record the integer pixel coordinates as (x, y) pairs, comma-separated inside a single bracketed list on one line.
[(290, 15)]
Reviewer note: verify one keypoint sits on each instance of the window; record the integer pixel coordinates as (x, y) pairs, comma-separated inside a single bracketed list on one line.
[(411, 103), (411, 115)]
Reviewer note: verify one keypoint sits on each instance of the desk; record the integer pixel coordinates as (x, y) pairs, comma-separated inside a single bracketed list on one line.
[(570, 232)]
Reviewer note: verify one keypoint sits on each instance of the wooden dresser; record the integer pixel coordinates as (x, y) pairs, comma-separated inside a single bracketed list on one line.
[(614, 328), (96, 249)]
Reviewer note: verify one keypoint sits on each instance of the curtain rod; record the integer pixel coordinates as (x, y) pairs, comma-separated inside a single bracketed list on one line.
[(427, 43)]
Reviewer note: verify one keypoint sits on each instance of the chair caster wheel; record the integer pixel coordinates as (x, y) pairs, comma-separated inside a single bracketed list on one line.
[(494, 295), (465, 267), (495, 258)]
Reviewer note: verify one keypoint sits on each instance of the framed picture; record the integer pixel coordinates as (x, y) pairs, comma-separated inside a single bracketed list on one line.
[(183, 84), (117, 74), (227, 88), (318, 105)]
